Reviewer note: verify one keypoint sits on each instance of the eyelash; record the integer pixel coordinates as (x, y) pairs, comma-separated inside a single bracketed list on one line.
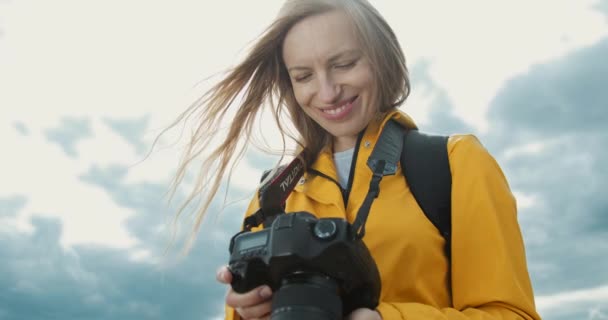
[(302, 78), (346, 65), (337, 66)]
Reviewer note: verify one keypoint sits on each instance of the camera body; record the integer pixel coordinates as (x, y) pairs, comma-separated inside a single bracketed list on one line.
[(298, 247)]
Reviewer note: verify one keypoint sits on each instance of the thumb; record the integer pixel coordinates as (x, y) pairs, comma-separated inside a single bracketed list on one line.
[(223, 275)]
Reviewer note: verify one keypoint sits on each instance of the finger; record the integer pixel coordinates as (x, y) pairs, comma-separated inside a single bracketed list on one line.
[(258, 311), (357, 314), (223, 275), (256, 296), (364, 313)]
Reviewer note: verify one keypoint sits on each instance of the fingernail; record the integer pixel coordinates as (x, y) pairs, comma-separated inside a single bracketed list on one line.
[(265, 292), (220, 274)]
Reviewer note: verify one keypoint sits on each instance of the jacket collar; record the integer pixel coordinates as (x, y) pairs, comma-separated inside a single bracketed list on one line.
[(318, 187), (370, 137)]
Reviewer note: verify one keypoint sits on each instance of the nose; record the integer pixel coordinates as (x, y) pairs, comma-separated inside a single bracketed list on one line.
[(328, 91)]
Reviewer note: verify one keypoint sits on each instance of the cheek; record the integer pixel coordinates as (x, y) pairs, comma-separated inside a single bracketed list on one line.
[(367, 81), (365, 77), (371, 88), (302, 97)]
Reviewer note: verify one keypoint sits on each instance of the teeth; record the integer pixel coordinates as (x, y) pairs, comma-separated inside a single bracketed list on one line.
[(336, 110)]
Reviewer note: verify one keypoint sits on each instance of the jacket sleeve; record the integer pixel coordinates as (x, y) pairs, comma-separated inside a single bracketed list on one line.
[(489, 275), (231, 314)]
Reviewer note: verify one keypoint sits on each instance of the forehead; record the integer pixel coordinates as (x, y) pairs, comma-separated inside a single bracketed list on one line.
[(317, 38)]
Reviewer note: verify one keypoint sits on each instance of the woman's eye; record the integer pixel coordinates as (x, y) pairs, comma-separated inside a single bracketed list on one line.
[(345, 65), (301, 78)]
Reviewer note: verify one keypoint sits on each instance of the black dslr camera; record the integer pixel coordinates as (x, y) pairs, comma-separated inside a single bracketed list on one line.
[(317, 268)]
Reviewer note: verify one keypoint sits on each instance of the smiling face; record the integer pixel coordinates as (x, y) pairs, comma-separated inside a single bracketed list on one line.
[(332, 79)]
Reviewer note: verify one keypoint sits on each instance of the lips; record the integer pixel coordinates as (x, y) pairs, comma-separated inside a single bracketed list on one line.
[(340, 110)]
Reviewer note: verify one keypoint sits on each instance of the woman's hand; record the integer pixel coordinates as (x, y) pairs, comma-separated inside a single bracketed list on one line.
[(255, 304), (364, 314)]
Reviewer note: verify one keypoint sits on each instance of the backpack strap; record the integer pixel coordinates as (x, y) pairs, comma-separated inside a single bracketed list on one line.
[(426, 167)]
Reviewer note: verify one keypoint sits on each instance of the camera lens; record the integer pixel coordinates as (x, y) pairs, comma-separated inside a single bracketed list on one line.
[(307, 296)]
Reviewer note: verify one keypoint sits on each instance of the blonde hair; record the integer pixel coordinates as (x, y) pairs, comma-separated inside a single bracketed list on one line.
[(262, 79)]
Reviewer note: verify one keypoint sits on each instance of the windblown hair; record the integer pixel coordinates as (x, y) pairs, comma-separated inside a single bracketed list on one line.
[(261, 79)]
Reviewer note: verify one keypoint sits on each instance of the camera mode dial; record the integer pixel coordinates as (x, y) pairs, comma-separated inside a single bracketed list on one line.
[(325, 229)]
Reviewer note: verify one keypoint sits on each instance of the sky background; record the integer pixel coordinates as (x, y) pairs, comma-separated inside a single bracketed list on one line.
[(86, 86)]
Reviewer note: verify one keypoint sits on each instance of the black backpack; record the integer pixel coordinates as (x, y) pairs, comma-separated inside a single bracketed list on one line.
[(426, 167)]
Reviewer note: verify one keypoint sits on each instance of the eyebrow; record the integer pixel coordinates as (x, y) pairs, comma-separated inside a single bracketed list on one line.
[(333, 58)]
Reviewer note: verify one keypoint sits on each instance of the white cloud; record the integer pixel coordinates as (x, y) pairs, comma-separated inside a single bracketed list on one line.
[(139, 57), (125, 59), (524, 200), (596, 313), (570, 300), (476, 45), (115, 58), (50, 180)]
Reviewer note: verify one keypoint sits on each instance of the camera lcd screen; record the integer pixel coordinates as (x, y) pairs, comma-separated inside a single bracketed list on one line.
[(254, 239)]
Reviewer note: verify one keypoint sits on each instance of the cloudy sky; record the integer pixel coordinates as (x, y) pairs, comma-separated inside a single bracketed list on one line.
[(85, 87)]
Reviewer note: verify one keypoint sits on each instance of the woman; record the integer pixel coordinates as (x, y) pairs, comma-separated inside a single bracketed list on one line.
[(336, 67)]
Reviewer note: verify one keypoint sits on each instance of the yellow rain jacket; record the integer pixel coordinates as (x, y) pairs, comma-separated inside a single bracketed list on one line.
[(487, 276)]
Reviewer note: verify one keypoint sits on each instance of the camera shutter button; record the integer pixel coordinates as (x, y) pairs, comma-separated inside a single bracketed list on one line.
[(325, 229)]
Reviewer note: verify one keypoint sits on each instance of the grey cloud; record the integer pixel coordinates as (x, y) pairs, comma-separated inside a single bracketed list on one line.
[(42, 281), (564, 97), (148, 199), (589, 311), (32, 267), (570, 218), (21, 128), (602, 6), (69, 133), (193, 288), (562, 105), (132, 130), (11, 205), (443, 119), (108, 178), (259, 160)]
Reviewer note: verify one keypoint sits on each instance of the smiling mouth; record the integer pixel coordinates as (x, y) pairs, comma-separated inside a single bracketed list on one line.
[(342, 107)]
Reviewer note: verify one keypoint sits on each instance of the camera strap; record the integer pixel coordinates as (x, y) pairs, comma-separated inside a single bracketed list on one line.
[(273, 194), (383, 162)]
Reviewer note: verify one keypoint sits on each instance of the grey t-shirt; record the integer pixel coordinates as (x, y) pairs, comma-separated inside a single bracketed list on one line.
[(343, 161)]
